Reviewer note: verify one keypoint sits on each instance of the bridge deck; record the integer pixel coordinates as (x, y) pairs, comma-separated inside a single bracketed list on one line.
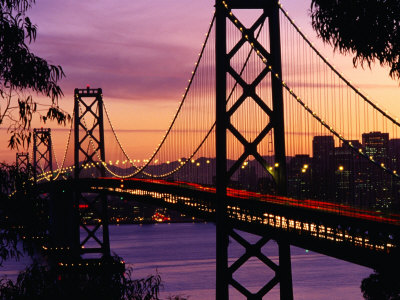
[(357, 235)]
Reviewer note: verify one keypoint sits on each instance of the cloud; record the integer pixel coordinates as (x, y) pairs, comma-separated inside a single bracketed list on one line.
[(155, 68), (132, 50)]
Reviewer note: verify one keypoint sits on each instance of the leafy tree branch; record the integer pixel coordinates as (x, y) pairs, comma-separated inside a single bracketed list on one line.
[(367, 29), (22, 74)]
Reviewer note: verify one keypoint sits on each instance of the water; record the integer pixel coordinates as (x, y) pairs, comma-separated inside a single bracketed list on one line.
[(184, 256), (11, 268)]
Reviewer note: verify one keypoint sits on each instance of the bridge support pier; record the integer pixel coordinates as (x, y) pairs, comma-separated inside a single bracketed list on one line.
[(62, 221), (89, 152), (282, 269), (285, 270), (23, 170), (42, 153), (22, 162), (274, 118)]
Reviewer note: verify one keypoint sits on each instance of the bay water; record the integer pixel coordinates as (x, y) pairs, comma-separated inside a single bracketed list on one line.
[(184, 256)]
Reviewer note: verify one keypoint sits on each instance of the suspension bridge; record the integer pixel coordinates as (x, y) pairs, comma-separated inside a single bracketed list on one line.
[(269, 138)]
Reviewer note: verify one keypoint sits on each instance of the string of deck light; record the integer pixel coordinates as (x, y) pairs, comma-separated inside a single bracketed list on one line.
[(116, 137), (140, 170), (88, 164), (44, 175), (67, 145), (59, 169), (54, 153), (333, 131), (360, 151), (190, 158), (148, 161), (316, 52), (47, 175), (394, 120), (197, 63), (104, 163), (65, 152), (181, 163), (213, 126), (32, 164)]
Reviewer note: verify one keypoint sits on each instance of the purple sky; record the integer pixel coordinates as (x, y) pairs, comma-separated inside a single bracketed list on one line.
[(141, 53), (132, 49)]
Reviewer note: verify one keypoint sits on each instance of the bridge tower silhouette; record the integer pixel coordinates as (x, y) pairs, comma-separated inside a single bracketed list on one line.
[(42, 152), (89, 102), (23, 169), (225, 229), (23, 173), (22, 161)]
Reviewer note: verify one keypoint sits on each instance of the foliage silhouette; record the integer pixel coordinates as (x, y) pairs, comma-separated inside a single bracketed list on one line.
[(22, 73), (369, 29), (41, 282), (9, 236), (381, 285), (22, 215)]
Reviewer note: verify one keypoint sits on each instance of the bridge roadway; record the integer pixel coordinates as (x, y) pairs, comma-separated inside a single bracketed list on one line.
[(356, 235)]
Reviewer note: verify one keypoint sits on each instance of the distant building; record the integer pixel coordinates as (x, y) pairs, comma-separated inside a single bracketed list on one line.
[(347, 170), (299, 172), (394, 165), (247, 177), (394, 154), (376, 145), (322, 146), (378, 184), (323, 167)]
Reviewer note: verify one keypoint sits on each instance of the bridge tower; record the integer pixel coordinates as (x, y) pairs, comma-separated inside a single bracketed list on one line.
[(89, 151), (22, 175), (272, 56), (22, 162), (23, 168), (42, 152)]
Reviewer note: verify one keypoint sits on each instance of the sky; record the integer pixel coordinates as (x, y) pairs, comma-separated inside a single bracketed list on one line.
[(141, 53)]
